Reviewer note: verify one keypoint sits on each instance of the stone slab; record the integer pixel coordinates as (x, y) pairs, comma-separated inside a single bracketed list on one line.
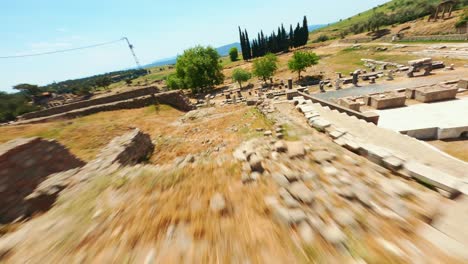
[(433, 177)]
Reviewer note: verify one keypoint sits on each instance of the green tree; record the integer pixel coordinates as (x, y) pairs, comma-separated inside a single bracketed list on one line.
[(302, 60), (233, 54), (240, 75), (174, 82), (103, 81), (199, 69), (27, 89), (265, 67)]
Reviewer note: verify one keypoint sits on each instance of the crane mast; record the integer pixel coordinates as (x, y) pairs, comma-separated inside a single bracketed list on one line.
[(130, 46)]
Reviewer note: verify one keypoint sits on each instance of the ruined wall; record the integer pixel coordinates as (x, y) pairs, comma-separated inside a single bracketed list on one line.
[(370, 117), (24, 164), (387, 102), (449, 37), (92, 102), (174, 98)]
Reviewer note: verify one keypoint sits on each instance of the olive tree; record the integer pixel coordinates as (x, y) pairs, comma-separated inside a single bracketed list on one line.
[(302, 60), (266, 66), (240, 75), (199, 69)]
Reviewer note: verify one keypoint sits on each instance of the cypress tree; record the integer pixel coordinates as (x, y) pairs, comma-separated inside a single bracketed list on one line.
[(284, 39), (263, 44), (297, 36), (247, 45), (305, 31), (291, 37), (243, 46)]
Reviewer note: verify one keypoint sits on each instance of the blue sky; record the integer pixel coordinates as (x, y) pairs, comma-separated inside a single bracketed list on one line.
[(157, 29)]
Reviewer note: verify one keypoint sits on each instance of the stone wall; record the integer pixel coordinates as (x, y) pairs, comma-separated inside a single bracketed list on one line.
[(433, 94), (173, 98), (367, 116), (24, 164), (353, 105), (449, 37)]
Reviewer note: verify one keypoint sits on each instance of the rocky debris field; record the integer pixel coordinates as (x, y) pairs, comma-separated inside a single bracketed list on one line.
[(278, 191)]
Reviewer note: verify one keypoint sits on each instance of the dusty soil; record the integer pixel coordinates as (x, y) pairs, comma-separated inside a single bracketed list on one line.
[(457, 148)]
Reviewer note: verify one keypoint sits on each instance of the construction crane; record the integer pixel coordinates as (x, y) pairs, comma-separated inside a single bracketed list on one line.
[(79, 48), (130, 46)]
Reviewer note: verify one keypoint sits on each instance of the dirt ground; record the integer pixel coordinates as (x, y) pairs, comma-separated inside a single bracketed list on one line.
[(457, 148)]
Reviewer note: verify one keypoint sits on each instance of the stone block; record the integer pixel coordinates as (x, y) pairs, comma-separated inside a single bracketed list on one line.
[(433, 94), (320, 124), (375, 154), (463, 84), (433, 177), (296, 149), (392, 163), (387, 101)]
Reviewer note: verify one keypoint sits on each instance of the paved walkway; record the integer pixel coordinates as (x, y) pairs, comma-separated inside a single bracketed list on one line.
[(390, 86), (447, 114)]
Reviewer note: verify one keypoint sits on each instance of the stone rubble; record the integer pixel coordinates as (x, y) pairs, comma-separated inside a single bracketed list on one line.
[(338, 197)]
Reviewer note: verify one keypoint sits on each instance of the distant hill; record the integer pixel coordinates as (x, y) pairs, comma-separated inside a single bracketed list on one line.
[(315, 27), (223, 51), (393, 12)]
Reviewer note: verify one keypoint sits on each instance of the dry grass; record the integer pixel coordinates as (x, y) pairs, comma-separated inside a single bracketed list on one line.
[(455, 148), (87, 135)]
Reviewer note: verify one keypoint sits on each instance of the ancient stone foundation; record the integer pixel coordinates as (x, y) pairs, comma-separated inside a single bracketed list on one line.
[(174, 98), (92, 102), (387, 101), (433, 94), (24, 164)]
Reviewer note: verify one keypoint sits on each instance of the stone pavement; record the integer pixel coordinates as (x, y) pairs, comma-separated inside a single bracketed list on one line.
[(445, 115)]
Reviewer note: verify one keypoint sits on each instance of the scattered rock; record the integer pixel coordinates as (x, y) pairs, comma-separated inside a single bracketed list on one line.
[(330, 170), (288, 199), (267, 133), (256, 163), (280, 146), (332, 234), (323, 155), (306, 233), (344, 217), (217, 203), (309, 176), (280, 179), (301, 192), (296, 149)]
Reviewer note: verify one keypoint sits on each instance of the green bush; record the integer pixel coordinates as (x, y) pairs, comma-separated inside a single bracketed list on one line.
[(321, 38)]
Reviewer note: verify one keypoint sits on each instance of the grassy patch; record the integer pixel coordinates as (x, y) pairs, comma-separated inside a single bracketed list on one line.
[(257, 120)]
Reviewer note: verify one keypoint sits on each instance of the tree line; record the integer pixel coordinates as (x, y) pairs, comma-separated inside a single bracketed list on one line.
[(279, 41)]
